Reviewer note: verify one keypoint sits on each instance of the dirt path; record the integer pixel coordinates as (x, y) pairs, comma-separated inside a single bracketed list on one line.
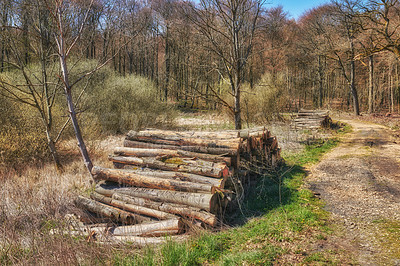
[(360, 183)]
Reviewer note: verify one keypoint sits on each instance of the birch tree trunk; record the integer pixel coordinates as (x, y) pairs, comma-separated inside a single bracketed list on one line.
[(62, 54)]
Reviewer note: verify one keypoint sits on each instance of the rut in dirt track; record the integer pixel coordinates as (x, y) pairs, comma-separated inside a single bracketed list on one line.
[(360, 184)]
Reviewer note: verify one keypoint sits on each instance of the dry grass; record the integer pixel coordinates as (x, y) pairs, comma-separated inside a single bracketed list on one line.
[(37, 199), (31, 204)]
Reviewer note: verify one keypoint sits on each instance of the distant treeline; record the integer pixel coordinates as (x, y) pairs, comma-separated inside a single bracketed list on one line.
[(242, 56), (323, 60)]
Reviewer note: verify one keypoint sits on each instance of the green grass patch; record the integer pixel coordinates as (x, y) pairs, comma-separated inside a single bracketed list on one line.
[(277, 210), (345, 128), (313, 152), (341, 128), (388, 235)]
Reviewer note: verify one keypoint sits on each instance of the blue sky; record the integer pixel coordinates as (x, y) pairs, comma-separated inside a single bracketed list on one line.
[(296, 7)]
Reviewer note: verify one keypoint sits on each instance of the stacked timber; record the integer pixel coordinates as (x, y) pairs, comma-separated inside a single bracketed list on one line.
[(228, 146), (312, 119), (166, 182)]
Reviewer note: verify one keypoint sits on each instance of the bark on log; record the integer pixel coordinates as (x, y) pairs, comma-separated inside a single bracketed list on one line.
[(304, 111), (312, 119), (142, 152), (138, 241), (114, 214), (182, 210), (160, 233), (172, 226), (169, 134), (207, 202), (133, 179), (131, 207), (199, 167), (182, 141), (90, 234), (216, 182), (192, 148), (83, 231), (221, 134)]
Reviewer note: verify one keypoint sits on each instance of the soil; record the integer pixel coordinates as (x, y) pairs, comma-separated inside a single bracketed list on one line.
[(360, 183)]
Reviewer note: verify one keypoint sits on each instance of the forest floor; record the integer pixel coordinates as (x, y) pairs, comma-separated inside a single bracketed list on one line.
[(360, 183)]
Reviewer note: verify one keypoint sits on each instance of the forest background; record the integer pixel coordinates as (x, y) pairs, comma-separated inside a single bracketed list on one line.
[(135, 64)]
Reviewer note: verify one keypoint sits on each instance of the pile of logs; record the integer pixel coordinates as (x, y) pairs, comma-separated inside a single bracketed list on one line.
[(166, 182), (312, 119)]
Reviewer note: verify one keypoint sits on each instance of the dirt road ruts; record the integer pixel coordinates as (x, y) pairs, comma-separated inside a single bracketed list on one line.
[(360, 183)]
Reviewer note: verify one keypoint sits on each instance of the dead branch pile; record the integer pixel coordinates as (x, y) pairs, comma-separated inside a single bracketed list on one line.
[(166, 182), (312, 119)]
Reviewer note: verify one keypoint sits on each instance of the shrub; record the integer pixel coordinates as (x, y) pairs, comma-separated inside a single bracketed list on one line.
[(124, 103), (265, 102), (106, 103), (21, 138)]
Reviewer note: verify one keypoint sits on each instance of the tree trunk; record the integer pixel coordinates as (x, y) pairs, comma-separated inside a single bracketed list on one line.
[(204, 201), (353, 80), (222, 135), (46, 110), (168, 138), (397, 84), (167, 63), (237, 110), (81, 143), (391, 91), (320, 82), (182, 210), (138, 241), (162, 228), (133, 179), (218, 183), (131, 207), (141, 152), (53, 151), (68, 92), (199, 167), (192, 148), (371, 84), (104, 210)]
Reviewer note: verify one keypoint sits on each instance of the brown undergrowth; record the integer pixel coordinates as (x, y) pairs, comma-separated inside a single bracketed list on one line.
[(36, 199)]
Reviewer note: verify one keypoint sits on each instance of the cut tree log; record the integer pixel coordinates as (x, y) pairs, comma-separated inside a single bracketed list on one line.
[(311, 119), (230, 143), (161, 228), (138, 241), (83, 231), (115, 214), (204, 201), (199, 167), (131, 207), (220, 135), (182, 210), (142, 152), (192, 148), (185, 175), (133, 179), (216, 182)]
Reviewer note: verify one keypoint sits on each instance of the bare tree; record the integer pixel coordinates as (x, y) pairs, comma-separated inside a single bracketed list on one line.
[(5, 20), (230, 27), (345, 13), (65, 46), (383, 17), (30, 87), (66, 41)]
